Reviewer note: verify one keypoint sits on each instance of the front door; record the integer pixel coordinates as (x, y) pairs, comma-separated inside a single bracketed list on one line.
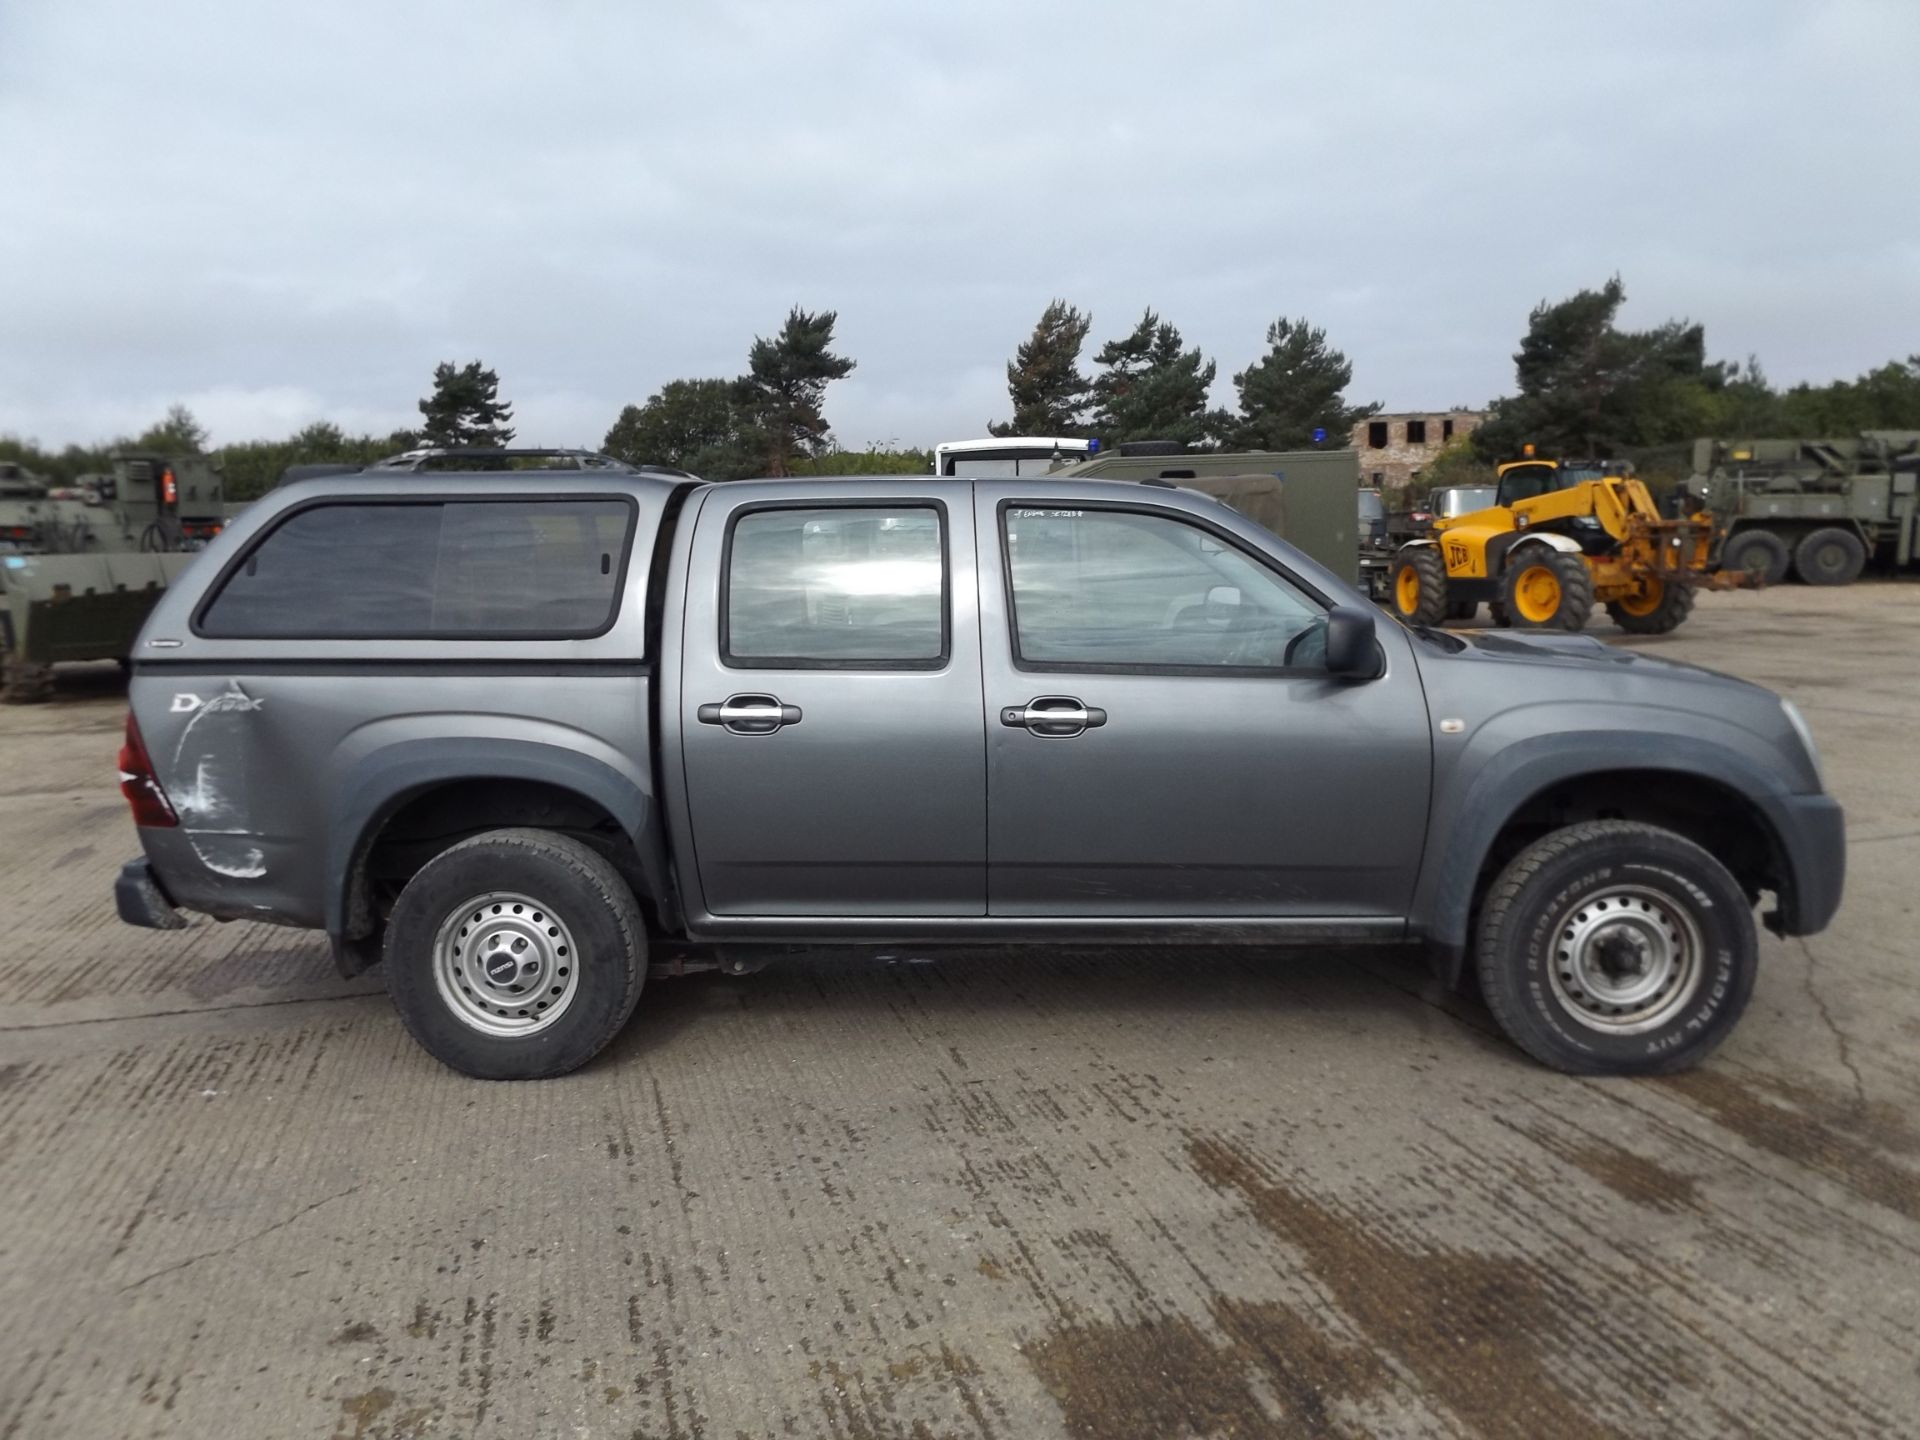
[(1163, 737), (830, 710)]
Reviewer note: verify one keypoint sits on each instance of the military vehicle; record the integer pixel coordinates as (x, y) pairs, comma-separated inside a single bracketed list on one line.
[(80, 571), (1304, 496), (1561, 535), (1818, 509)]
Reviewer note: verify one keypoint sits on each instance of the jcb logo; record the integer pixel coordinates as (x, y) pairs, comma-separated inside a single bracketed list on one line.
[(1456, 557), (185, 704)]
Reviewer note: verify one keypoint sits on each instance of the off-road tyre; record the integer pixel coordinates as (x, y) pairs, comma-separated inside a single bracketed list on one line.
[(1676, 603), (1552, 891), (1570, 573), (1760, 553), (549, 877), (22, 683), (1830, 556), (1462, 609), (1497, 614), (1419, 588)]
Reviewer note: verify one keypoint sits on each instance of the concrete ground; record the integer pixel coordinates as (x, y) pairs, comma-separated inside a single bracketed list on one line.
[(1113, 1195)]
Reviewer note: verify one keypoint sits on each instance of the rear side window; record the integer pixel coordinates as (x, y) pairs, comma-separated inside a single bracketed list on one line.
[(479, 569), (847, 587)]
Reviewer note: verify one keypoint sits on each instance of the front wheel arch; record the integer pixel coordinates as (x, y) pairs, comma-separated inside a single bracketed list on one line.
[(1471, 839)]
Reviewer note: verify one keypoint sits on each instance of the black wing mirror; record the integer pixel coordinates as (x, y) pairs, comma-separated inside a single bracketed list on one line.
[(1353, 651)]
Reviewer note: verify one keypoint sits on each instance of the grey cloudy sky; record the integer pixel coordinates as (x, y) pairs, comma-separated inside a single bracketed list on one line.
[(277, 213)]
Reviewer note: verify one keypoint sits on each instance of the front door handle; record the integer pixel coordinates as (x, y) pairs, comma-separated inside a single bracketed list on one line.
[(750, 714), (1054, 717)]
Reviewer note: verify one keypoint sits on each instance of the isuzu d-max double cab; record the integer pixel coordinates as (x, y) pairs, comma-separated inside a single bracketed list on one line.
[(508, 730)]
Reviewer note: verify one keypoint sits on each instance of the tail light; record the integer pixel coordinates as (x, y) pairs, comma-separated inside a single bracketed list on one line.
[(140, 785)]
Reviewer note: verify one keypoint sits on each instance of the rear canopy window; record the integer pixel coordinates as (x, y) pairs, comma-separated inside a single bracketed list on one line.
[(478, 569), (853, 586)]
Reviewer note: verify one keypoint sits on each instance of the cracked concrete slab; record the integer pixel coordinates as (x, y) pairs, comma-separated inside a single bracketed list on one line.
[(1033, 1194)]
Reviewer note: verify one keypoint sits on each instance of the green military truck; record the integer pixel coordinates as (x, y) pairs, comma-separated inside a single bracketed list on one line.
[(1816, 509), (1306, 497), (81, 567)]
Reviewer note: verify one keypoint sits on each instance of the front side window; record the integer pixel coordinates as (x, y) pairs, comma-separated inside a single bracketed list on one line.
[(1120, 589), (480, 569), (847, 586)]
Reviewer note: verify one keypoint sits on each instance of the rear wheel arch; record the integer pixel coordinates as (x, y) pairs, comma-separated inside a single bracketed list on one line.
[(412, 801)]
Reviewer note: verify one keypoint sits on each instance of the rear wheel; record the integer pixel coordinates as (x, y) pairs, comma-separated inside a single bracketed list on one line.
[(1548, 590), (1830, 557), (1760, 553), (515, 955), (1616, 948), (1420, 585), (1654, 609)]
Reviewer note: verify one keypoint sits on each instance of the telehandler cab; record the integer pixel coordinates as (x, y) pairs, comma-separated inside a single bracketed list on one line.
[(1561, 535)]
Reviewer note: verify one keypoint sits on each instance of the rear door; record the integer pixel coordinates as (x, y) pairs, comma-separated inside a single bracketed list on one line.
[(830, 707), (1163, 738)]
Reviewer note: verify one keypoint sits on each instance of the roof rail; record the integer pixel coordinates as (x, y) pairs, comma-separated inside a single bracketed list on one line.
[(427, 457)]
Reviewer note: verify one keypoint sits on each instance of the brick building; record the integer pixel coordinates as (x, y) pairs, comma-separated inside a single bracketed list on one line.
[(1393, 448)]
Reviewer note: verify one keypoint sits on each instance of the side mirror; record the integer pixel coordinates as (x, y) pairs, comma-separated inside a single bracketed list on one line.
[(1353, 650), (1223, 597)]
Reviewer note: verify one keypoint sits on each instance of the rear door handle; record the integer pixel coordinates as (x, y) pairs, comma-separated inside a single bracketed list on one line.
[(750, 714), (1054, 717)]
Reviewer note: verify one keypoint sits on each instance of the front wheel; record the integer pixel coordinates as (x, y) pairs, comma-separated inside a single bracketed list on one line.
[(1653, 609), (1548, 590), (1616, 948), (515, 955)]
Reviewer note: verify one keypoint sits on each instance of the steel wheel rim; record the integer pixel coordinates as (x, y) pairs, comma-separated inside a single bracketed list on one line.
[(1626, 960), (1646, 599), (1537, 595), (1409, 590), (505, 964)]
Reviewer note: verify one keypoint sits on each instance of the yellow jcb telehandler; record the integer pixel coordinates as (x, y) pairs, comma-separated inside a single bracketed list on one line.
[(1560, 536)]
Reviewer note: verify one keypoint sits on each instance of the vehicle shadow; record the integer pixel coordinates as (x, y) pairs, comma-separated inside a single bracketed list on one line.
[(909, 991)]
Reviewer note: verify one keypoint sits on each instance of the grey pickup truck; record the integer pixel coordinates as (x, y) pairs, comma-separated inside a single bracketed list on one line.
[(528, 735)]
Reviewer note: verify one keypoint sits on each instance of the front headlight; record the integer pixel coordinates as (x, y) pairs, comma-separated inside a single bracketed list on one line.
[(1799, 723)]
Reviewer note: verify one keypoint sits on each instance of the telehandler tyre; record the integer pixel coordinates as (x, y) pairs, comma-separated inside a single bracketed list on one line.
[(1658, 608), (1547, 590), (1420, 586)]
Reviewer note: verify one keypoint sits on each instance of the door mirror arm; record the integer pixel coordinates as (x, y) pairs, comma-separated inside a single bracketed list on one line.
[(1353, 648)]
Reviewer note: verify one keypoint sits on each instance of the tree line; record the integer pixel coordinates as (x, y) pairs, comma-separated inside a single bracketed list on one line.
[(1582, 386)]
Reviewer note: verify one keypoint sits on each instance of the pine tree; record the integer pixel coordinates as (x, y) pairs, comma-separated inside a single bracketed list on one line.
[(785, 383), (464, 410), (1049, 393), (1297, 387), (1152, 388), (1589, 388)]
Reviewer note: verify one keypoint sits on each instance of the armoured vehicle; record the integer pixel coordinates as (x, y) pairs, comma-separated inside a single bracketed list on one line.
[(1815, 509), (79, 574), (523, 734), (1560, 536)]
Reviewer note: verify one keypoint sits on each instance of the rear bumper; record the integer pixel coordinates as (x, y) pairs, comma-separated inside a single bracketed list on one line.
[(1813, 832), (140, 900)]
